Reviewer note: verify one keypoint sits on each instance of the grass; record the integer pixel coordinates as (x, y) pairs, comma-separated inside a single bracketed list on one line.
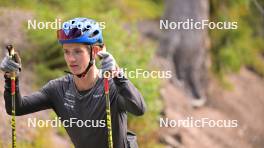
[(243, 47)]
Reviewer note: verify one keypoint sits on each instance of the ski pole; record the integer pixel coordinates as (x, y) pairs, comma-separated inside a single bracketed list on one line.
[(11, 52), (108, 111)]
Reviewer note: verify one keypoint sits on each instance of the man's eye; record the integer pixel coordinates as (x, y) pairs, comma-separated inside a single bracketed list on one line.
[(78, 51)]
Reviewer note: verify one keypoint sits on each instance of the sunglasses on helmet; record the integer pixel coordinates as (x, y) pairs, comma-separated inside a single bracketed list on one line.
[(73, 33)]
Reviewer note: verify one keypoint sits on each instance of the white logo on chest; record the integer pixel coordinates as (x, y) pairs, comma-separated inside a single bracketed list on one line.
[(97, 95), (69, 100)]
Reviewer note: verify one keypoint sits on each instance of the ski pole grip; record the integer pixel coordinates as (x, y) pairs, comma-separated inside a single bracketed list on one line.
[(10, 49), (11, 53)]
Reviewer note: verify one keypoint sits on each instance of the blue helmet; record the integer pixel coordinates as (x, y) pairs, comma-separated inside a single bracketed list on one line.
[(80, 30)]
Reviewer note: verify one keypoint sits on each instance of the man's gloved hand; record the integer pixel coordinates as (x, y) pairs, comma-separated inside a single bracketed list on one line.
[(108, 61), (9, 65), (109, 64)]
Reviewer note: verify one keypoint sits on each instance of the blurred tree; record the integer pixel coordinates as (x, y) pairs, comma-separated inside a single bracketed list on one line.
[(186, 48)]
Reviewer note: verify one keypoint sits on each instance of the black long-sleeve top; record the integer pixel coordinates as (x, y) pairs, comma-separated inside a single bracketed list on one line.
[(89, 106)]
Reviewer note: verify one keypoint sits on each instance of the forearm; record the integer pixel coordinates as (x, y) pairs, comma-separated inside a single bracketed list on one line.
[(129, 97), (24, 105)]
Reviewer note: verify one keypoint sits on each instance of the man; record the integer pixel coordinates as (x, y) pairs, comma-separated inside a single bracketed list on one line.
[(80, 94)]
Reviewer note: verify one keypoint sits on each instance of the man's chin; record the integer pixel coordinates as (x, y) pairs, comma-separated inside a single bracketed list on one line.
[(75, 72)]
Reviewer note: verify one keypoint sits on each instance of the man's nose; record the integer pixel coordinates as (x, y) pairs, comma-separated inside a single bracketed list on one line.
[(71, 58)]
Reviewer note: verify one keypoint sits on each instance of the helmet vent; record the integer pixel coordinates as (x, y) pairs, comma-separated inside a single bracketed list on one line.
[(94, 33), (87, 28)]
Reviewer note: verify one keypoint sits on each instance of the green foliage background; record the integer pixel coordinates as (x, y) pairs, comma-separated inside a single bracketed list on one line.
[(230, 49), (243, 47)]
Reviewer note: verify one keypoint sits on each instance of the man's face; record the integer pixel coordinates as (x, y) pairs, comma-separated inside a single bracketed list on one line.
[(77, 57)]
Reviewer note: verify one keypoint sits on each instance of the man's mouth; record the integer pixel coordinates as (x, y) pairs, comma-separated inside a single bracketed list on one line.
[(73, 66)]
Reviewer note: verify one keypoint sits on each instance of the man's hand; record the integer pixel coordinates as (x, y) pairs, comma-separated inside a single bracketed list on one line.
[(108, 63), (8, 65)]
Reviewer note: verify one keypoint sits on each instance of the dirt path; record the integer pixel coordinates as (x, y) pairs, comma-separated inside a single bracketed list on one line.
[(244, 103)]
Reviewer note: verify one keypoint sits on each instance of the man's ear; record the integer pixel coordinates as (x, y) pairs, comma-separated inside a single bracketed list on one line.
[(95, 50)]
